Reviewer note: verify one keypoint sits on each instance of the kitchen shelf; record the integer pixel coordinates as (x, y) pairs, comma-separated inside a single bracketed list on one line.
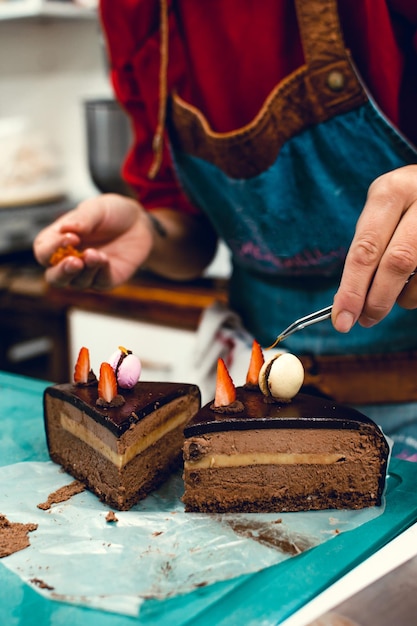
[(18, 9)]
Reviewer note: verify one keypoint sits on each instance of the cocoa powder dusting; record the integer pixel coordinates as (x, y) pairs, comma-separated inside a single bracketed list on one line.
[(62, 494), (14, 536), (276, 537)]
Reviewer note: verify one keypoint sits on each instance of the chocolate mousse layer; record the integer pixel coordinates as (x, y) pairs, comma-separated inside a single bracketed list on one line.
[(120, 453), (305, 455)]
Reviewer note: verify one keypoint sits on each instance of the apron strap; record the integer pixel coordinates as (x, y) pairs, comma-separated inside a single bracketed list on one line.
[(326, 85), (320, 31), (332, 82)]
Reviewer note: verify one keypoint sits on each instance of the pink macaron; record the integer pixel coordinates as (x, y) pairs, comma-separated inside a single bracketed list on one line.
[(127, 367)]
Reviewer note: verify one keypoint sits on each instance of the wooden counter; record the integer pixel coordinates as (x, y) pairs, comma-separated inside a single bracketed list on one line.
[(150, 299), (33, 315)]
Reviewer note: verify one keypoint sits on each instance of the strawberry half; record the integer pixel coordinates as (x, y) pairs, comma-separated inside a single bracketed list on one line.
[(107, 384), (82, 367), (256, 362), (225, 389)]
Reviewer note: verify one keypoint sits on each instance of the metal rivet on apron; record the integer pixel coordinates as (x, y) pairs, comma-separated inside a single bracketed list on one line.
[(335, 80)]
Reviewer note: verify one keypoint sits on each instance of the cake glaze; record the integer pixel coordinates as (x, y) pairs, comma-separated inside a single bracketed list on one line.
[(304, 411), (140, 401), (308, 454), (124, 452)]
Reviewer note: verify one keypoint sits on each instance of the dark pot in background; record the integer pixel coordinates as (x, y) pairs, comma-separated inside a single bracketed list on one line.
[(109, 136)]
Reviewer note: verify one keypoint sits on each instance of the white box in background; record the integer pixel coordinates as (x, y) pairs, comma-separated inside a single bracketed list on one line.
[(166, 353)]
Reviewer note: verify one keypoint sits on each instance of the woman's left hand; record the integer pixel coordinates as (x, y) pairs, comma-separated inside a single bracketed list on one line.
[(382, 255)]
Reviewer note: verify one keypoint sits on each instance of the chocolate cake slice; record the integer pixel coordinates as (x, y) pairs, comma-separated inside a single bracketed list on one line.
[(271, 456), (120, 452)]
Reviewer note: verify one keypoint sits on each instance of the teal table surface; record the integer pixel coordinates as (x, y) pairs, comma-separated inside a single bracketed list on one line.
[(267, 597)]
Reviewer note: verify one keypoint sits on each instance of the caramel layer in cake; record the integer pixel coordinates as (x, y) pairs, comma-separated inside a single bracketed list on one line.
[(307, 454), (121, 453)]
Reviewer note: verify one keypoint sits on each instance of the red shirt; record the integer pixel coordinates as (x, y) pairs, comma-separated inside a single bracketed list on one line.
[(225, 57)]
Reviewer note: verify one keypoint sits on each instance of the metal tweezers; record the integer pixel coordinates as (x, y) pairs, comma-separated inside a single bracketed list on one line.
[(313, 318), (303, 322)]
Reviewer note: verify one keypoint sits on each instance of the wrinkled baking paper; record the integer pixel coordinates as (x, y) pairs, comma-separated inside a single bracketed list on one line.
[(153, 551)]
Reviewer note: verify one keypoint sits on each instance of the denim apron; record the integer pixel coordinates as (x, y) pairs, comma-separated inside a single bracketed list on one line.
[(285, 192)]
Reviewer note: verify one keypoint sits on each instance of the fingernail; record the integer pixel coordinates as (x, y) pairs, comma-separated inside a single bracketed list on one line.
[(344, 321)]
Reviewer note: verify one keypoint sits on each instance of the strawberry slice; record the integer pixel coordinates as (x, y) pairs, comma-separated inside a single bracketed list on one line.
[(225, 389), (82, 367), (107, 384), (256, 362)]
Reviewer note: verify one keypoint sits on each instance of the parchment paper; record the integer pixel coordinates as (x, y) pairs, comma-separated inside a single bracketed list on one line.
[(153, 551)]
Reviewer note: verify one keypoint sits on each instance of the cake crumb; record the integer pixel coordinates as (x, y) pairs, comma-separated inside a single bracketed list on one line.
[(62, 494), (111, 517), (41, 584), (14, 536)]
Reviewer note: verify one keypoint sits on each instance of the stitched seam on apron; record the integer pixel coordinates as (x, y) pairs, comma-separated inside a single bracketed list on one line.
[(242, 153)]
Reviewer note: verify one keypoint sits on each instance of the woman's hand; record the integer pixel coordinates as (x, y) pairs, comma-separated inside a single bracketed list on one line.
[(382, 255), (115, 235)]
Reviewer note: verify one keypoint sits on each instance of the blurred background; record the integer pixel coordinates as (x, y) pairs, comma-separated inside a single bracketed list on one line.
[(62, 139)]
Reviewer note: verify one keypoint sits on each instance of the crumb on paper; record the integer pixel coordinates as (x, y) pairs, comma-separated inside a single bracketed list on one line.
[(41, 584), (62, 252), (62, 494), (14, 536), (111, 517)]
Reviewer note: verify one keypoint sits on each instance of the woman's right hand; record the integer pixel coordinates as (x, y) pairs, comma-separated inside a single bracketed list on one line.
[(382, 255), (115, 235)]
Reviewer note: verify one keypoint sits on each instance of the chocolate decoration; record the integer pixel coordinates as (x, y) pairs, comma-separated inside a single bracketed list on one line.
[(304, 411), (123, 354), (228, 409), (117, 401), (140, 401)]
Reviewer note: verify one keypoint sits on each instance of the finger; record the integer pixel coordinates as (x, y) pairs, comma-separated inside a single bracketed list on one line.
[(49, 240), (85, 279), (99, 219), (95, 265), (408, 296), (77, 272), (83, 220), (363, 258), (397, 263), (379, 220), (73, 228), (65, 272)]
